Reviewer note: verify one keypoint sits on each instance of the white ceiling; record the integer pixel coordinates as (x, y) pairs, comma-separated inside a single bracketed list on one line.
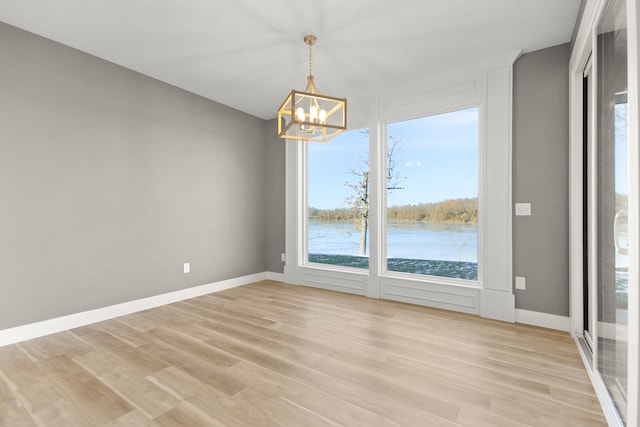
[(249, 54)]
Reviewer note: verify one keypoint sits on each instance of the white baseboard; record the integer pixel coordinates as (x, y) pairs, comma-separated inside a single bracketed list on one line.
[(498, 305), (544, 320), (278, 277), (76, 320)]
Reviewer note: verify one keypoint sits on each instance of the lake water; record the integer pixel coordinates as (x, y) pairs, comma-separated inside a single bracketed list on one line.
[(447, 250), (405, 239)]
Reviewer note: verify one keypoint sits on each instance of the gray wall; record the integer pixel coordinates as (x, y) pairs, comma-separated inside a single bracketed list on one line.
[(540, 176), (275, 204), (110, 181)]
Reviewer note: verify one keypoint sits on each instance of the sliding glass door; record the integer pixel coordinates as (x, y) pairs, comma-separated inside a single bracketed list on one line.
[(608, 237)]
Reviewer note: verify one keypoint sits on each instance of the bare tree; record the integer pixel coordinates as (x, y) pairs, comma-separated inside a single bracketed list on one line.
[(359, 200), (461, 239)]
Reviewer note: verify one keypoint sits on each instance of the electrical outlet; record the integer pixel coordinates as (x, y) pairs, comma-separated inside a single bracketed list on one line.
[(187, 267), (520, 283), (283, 257)]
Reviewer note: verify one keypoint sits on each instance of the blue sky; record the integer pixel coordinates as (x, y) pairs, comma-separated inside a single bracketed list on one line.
[(437, 159)]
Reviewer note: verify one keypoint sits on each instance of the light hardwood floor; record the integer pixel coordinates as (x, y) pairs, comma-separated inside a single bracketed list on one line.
[(269, 354)]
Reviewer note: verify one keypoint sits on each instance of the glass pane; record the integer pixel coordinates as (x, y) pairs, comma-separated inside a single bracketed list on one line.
[(611, 200), (338, 196), (432, 195)]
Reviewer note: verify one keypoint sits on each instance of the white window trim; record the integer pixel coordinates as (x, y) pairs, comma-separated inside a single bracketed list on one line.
[(487, 86)]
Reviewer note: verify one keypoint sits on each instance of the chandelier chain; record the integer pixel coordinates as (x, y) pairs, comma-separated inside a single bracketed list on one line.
[(310, 60)]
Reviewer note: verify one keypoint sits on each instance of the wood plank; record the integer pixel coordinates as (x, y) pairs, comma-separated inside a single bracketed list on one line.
[(69, 395), (311, 399), (63, 343), (17, 368), (208, 373), (132, 419), (114, 352), (140, 393), (13, 414), (186, 414), (125, 333)]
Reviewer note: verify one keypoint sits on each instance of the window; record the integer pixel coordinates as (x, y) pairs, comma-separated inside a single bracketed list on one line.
[(337, 196), (432, 195), (463, 150)]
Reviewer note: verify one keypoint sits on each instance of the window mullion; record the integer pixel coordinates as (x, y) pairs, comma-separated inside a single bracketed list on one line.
[(376, 202)]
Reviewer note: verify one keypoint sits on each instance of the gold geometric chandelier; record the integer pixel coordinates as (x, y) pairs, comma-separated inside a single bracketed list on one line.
[(309, 115)]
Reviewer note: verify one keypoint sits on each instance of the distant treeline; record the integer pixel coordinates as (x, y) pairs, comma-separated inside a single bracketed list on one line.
[(455, 211), (621, 201)]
